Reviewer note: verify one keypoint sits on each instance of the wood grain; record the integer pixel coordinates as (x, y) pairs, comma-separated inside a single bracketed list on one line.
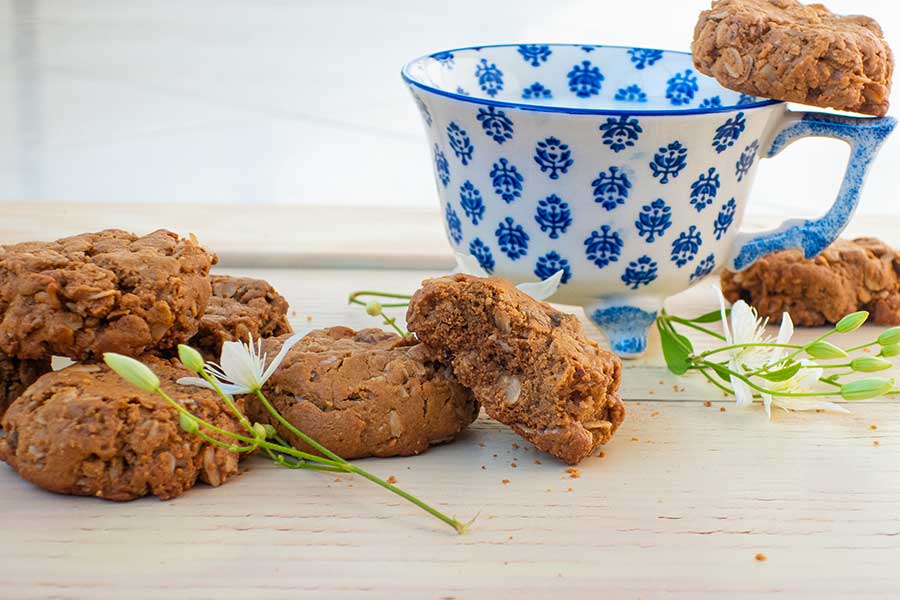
[(684, 498)]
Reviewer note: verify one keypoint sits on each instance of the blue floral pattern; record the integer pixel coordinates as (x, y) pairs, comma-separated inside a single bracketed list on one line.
[(512, 239), (704, 268), (507, 180), (682, 87), (441, 166), (461, 91), (535, 53), (632, 93), (704, 190), (553, 215), (453, 225), (654, 220), (490, 78), (669, 161), (445, 58), (604, 246), (686, 246), (713, 102), (495, 123), (550, 263), (745, 162), (554, 156), (644, 57), (724, 219), (611, 189), (536, 91), (728, 132), (746, 99), (621, 132), (471, 202), (640, 272), (585, 79), (482, 254), (460, 143)]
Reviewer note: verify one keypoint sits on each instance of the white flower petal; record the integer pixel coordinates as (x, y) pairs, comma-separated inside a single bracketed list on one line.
[(786, 331), (808, 404), (742, 393), (542, 290), (287, 345), (725, 330), (744, 324), (238, 364), (468, 264), (195, 382), (767, 404)]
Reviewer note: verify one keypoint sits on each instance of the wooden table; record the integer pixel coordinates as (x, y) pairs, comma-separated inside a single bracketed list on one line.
[(688, 492)]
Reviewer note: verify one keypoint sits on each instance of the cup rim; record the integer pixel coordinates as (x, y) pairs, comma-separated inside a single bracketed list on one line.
[(409, 79)]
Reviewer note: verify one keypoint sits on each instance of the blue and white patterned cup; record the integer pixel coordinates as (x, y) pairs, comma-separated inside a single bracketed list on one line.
[(621, 166)]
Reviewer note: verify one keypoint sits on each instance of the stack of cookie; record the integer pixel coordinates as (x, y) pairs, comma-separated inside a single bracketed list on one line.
[(82, 430)]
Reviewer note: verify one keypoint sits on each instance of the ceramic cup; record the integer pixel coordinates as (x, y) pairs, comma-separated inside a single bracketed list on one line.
[(623, 167)]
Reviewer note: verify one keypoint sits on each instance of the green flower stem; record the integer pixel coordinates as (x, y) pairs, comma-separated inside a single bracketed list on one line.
[(354, 297), (230, 447), (261, 443), (763, 390), (822, 337), (829, 382), (351, 468), (715, 381), (750, 345), (861, 347), (693, 325)]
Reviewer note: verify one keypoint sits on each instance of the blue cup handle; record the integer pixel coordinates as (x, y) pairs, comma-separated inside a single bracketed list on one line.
[(865, 136)]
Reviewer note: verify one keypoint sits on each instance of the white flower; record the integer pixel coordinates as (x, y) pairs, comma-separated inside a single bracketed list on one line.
[(748, 328), (242, 367), (802, 382), (539, 290)]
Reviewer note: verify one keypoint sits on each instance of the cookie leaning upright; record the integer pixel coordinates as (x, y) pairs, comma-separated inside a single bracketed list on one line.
[(531, 366), (109, 291), (85, 431), (786, 50)]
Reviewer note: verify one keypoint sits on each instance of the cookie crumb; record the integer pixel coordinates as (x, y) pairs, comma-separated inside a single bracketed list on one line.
[(392, 479), (707, 404), (721, 409), (483, 468), (513, 465), (602, 454), (760, 557), (537, 461), (569, 490), (515, 446), (873, 427), (661, 382), (573, 472), (549, 490), (481, 444), (308, 318), (505, 482), (634, 439), (876, 443), (655, 413)]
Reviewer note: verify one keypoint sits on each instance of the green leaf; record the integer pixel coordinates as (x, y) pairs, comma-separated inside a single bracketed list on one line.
[(711, 317), (676, 348), (782, 374), (720, 371)]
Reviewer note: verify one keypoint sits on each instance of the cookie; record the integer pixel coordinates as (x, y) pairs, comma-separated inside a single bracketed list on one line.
[(110, 291), (365, 393), (238, 308), (84, 431), (789, 51), (16, 375), (862, 274), (531, 366)]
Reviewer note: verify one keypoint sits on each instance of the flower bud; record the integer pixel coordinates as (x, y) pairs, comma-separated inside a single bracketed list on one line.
[(373, 308), (864, 389), (188, 423), (825, 350), (892, 350), (259, 431), (870, 364), (889, 337), (190, 358), (851, 321), (133, 371)]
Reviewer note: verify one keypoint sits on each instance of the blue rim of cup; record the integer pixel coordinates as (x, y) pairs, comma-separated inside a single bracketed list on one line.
[(404, 73)]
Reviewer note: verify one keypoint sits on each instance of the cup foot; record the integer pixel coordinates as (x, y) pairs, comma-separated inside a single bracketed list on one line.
[(625, 327)]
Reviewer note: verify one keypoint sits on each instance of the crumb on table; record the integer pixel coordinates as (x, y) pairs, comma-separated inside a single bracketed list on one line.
[(707, 404), (392, 479), (760, 557), (505, 482), (573, 472), (602, 454)]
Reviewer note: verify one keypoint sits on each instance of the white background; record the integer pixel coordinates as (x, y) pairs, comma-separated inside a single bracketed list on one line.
[(227, 102)]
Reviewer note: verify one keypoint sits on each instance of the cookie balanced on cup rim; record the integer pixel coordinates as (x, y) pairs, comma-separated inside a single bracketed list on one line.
[(622, 167)]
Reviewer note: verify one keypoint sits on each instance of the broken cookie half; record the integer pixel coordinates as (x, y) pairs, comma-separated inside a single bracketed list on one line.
[(531, 366)]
